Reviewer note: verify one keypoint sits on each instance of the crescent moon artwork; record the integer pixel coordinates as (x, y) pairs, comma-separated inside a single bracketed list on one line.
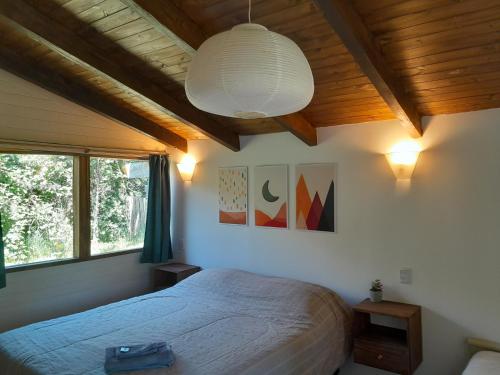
[(267, 194), (271, 196)]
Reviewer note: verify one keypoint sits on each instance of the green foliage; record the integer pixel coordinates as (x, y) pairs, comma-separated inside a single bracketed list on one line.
[(36, 204), (118, 205)]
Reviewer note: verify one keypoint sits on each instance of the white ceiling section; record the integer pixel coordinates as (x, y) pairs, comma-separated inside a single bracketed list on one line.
[(29, 113)]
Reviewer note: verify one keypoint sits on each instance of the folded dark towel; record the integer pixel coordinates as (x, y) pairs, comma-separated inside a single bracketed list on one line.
[(138, 357)]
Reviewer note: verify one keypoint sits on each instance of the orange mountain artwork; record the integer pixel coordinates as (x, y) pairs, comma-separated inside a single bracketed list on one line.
[(278, 221), (303, 203), (316, 181), (271, 196)]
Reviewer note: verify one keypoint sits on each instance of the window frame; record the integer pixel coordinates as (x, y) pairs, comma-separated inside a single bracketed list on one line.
[(81, 213)]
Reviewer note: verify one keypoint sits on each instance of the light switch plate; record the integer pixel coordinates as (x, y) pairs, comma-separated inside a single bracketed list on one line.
[(405, 276)]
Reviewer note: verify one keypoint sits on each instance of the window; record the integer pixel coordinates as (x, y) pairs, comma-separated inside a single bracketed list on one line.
[(43, 198), (36, 205), (118, 195)]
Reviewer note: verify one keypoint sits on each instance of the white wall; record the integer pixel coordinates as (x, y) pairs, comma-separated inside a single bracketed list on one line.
[(445, 225), (46, 293)]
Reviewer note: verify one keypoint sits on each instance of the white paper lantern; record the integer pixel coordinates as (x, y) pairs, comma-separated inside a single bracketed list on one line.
[(249, 72)]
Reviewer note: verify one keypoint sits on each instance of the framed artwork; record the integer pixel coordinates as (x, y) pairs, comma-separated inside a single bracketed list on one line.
[(233, 195), (271, 196), (315, 196)]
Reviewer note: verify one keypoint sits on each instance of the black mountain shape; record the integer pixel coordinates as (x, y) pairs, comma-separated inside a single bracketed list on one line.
[(326, 220)]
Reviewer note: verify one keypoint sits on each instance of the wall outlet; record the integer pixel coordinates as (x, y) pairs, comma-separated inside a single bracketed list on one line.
[(405, 276)]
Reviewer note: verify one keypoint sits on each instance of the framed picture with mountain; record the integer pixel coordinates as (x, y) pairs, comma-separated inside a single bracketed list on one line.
[(271, 196), (233, 195), (315, 196)]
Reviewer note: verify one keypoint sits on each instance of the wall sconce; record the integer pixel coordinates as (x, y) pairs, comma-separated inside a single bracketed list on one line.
[(186, 167), (403, 158)]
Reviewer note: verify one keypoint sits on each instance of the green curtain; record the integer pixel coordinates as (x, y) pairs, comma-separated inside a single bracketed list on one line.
[(157, 243), (2, 260)]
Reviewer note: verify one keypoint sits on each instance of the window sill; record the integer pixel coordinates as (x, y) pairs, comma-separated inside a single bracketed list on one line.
[(114, 253), (62, 262)]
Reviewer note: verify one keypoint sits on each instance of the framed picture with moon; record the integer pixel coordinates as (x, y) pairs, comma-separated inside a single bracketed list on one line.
[(315, 196), (233, 195), (271, 196)]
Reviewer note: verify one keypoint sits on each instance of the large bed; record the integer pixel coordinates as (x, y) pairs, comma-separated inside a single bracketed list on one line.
[(217, 321)]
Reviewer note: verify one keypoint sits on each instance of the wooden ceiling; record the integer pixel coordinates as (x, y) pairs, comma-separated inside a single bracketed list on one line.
[(371, 60)]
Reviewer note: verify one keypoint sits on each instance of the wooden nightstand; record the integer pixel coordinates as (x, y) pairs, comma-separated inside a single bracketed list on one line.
[(169, 274), (392, 349)]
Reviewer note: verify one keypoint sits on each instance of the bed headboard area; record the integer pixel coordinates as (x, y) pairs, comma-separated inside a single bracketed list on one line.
[(477, 345)]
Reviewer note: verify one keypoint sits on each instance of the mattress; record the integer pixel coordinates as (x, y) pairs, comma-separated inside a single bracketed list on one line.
[(217, 321), (483, 363)]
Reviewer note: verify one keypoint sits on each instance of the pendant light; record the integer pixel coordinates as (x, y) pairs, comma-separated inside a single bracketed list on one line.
[(249, 72)]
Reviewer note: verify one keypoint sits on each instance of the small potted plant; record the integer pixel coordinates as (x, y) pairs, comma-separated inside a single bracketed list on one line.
[(376, 291)]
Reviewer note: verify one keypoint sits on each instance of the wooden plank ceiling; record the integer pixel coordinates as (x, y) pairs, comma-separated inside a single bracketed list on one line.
[(439, 56)]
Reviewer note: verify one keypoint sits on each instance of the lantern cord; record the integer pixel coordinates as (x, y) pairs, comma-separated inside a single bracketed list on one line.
[(249, 11)]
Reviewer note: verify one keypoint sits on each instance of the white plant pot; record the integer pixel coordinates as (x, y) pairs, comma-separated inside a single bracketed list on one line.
[(376, 296)]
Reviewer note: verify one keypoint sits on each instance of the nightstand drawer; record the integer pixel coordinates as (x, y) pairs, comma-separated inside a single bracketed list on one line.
[(383, 359)]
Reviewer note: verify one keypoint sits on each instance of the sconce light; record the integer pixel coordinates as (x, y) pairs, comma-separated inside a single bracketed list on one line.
[(186, 167), (403, 158)]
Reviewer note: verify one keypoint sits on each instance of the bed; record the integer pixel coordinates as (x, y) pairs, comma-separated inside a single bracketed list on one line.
[(217, 321), (486, 360), (484, 363)]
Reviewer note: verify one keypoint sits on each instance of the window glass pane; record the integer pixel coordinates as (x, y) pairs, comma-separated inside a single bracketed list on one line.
[(118, 193), (36, 204)]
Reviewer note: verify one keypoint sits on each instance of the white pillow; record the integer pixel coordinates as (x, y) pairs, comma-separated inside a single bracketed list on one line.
[(483, 363)]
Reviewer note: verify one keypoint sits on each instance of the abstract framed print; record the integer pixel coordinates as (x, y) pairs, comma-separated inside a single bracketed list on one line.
[(315, 196), (271, 196), (233, 195)]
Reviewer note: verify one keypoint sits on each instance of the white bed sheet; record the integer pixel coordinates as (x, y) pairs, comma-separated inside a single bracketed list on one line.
[(484, 363)]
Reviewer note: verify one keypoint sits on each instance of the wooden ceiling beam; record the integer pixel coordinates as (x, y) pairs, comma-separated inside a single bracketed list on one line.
[(172, 22), (90, 99), (349, 26), (299, 127), (28, 21)]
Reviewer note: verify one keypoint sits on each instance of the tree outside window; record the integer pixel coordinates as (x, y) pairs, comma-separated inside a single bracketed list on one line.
[(36, 203), (37, 200), (118, 194)]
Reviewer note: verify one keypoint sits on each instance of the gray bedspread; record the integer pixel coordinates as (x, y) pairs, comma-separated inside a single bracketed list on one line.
[(217, 321)]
